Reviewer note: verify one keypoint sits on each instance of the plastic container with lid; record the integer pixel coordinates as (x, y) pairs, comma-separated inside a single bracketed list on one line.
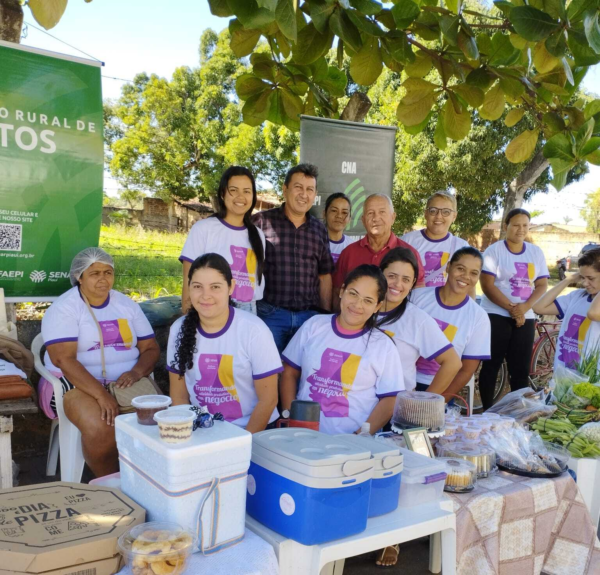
[(387, 472), (483, 457), (147, 405), (451, 429), (175, 426), (462, 475), (423, 479), (156, 547), (419, 409), (309, 486), (471, 432)]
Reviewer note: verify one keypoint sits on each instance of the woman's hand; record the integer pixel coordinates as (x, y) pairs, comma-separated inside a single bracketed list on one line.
[(574, 278), (109, 407), (517, 310), (520, 320), (128, 378)]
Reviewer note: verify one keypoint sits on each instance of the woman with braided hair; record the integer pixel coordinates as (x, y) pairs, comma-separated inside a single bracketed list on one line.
[(221, 357)]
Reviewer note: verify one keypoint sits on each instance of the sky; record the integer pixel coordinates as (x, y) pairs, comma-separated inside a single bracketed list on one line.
[(155, 36)]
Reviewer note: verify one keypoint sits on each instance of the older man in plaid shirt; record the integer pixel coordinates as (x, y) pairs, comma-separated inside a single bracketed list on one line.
[(298, 263)]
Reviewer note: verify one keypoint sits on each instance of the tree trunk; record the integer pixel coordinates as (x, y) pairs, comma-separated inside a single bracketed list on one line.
[(11, 21), (518, 187), (357, 108)]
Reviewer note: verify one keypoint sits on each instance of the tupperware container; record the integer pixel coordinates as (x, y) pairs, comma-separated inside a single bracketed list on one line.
[(423, 479), (471, 432), (156, 547), (387, 471), (309, 486), (419, 409), (451, 429), (175, 426), (483, 457), (462, 475), (147, 405)]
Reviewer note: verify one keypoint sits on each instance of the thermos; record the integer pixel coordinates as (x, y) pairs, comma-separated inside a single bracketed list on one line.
[(303, 414)]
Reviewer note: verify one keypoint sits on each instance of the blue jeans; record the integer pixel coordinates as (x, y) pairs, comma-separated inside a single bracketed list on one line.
[(282, 322)]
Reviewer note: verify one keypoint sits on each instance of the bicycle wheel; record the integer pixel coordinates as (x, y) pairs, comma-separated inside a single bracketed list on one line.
[(542, 360), (501, 380)]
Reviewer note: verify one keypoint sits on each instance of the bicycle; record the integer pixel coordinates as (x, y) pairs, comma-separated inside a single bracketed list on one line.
[(540, 369)]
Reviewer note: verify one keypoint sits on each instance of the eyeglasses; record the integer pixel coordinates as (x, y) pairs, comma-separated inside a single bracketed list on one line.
[(444, 211), (354, 297)]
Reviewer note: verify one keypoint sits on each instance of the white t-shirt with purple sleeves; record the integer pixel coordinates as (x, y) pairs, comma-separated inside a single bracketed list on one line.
[(123, 324), (336, 247), (466, 326), (345, 373), (415, 334), (515, 274), (214, 235), (578, 333), (435, 254), (227, 363)]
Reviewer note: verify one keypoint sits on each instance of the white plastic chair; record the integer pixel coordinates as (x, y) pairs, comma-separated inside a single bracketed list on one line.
[(68, 439), (471, 386)]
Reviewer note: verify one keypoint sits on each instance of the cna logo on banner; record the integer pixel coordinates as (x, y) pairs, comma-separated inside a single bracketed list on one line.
[(38, 276)]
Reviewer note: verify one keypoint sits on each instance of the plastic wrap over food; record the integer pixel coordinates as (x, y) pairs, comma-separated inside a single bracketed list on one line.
[(524, 405)]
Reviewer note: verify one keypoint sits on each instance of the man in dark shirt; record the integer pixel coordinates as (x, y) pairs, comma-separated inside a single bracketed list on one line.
[(298, 263)]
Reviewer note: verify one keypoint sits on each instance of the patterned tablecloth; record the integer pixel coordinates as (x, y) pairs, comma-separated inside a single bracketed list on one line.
[(511, 525)]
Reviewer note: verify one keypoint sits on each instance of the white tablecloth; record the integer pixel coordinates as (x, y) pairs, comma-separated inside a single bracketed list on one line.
[(252, 556)]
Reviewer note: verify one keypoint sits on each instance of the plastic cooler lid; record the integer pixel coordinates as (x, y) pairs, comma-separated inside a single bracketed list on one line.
[(307, 447), (416, 465), (378, 448)]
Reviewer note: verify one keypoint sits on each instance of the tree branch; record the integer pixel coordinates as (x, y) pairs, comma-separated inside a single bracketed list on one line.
[(11, 21)]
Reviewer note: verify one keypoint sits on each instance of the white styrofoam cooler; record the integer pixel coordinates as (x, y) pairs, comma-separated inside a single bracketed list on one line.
[(199, 484)]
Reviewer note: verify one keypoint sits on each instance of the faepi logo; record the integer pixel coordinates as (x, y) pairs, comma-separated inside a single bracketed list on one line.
[(348, 167), (37, 276), (10, 274)]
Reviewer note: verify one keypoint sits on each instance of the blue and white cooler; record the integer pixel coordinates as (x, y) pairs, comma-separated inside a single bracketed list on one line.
[(199, 484), (309, 486), (387, 472)]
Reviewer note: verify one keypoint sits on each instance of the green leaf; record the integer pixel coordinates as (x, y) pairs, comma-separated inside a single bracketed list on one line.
[(256, 108), (366, 65), (276, 113), (505, 7), (342, 26), (401, 50), (583, 54), (248, 85), (292, 104), (47, 13), (484, 43), (591, 146), (405, 12), (268, 4), (320, 11), (592, 30), (512, 87), (456, 126), (554, 122), (417, 103), (439, 136), (386, 18), (480, 78), (420, 67), (555, 89), (414, 130), (367, 7), (335, 82), (449, 26), (556, 44), (364, 24), (493, 104), (468, 46), (250, 15), (568, 72), (583, 135), (285, 15), (514, 117), (543, 60), (263, 66), (311, 45), (389, 61), (453, 5), (220, 8), (577, 8), (591, 109), (532, 24), (243, 41), (559, 147), (521, 148), (518, 42), (502, 51), (593, 158), (470, 94), (560, 171), (576, 117)]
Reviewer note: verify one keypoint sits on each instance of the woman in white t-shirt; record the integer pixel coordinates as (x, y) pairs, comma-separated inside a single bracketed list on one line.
[(415, 333), (345, 363), (435, 244), (231, 234), (71, 331), (514, 277), (337, 213), (222, 357), (579, 310), (463, 322)]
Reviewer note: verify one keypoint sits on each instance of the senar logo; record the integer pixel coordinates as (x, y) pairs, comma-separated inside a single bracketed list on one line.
[(37, 276)]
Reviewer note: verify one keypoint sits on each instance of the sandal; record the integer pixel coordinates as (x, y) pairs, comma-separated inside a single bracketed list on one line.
[(388, 554)]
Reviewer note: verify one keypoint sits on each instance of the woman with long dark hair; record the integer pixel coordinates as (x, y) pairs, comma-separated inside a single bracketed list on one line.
[(415, 333), (220, 357), (231, 234), (344, 362)]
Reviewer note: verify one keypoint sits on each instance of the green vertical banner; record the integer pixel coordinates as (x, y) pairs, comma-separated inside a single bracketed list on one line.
[(354, 158), (51, 167)]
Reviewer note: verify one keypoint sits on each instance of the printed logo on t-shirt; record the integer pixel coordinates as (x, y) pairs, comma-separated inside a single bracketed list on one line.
[(243, 269), (570, 344), (330, 384), (521, 283), (116, 333), (216, 387), (335, 257), (434, 262), (430, 366)]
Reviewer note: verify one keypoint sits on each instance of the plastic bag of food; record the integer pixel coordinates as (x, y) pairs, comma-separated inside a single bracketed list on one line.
[(591, 431), (564, 380), (525, 405), (571, 399)]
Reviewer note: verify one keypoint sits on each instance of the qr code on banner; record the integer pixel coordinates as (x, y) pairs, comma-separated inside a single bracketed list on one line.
[(10, 237)]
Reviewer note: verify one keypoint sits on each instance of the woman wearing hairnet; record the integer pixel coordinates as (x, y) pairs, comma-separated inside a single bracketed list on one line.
[(71, 330)]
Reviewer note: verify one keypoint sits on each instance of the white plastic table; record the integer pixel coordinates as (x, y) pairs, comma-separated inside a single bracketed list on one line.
[(404, 524), (588, 481)]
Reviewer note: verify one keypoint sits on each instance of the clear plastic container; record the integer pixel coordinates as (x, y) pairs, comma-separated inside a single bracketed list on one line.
[(471, 432), (492, 415), (462, 475), (419, 409), (156, 548), (175, 426), (423, 479), (147, 405), (483, 457), (450, 429)]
